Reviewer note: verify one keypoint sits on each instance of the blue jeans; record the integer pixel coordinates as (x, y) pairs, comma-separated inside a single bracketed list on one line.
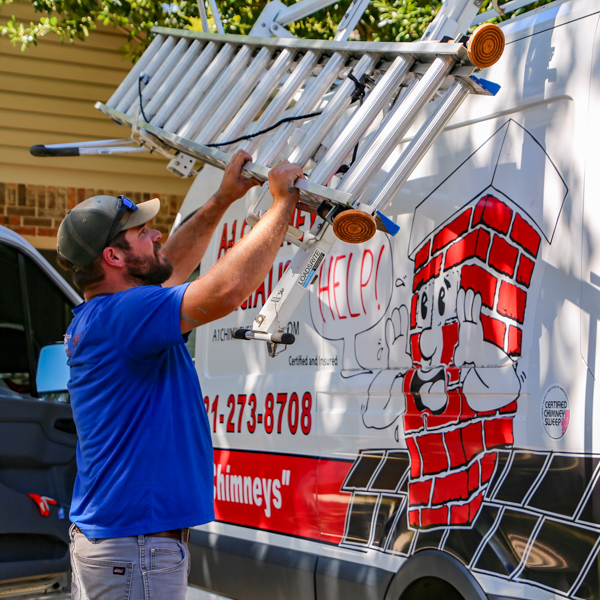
[(128, 568)]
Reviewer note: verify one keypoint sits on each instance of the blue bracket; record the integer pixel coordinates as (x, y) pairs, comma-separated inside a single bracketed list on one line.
[(488, 86), (389, 225)]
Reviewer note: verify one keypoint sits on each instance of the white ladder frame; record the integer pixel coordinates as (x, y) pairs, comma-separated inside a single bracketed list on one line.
[(452, 21), (442, 60)]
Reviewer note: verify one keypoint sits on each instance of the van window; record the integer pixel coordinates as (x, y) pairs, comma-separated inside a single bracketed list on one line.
[(50, 310), (33, 314), (14, 365)]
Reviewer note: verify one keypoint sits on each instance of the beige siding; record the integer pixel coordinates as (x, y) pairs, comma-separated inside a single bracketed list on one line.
[(47, 96)]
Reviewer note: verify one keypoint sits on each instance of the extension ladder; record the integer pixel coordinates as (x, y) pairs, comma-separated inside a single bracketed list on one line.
[(202, 95)]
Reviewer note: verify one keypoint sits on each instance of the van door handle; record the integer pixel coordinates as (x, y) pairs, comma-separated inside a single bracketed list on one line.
[(66, 425)]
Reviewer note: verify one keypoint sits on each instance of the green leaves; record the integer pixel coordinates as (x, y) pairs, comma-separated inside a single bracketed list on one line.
[(384, 20)]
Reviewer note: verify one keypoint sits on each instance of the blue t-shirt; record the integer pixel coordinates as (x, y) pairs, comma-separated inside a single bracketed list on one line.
[(144, 456)]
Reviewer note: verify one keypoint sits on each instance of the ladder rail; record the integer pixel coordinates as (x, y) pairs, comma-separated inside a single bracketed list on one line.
[(426, 51), (212, 156)]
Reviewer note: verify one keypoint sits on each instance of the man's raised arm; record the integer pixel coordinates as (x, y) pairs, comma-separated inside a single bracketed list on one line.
[(235, 276), (186, 247)]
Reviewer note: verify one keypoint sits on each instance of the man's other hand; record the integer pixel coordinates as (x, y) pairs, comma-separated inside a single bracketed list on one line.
[(234, 185), (281, 182)]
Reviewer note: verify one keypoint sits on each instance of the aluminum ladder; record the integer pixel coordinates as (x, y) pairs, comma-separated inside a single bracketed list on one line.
[(206, 90), (199, 96)]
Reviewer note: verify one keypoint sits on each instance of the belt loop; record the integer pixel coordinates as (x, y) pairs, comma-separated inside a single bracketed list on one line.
[(185, 534)]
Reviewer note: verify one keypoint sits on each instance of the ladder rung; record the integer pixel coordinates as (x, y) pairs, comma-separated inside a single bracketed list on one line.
[(173, 106), (236, 97), (362, 118), (151, 68), (217, 93), (259, 97), (132, 77), (179, 74), (419, 145), (357, 178), (287, 91), (332, 113), (200, 89), (162, 74), (307, 103)]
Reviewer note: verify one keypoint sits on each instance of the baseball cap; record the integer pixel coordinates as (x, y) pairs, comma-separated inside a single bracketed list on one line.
[(84, 232)]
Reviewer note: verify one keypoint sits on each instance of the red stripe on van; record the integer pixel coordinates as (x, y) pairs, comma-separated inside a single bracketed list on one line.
[(287, 494)]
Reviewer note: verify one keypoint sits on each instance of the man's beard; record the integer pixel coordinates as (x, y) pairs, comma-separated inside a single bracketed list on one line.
[(148, 270)]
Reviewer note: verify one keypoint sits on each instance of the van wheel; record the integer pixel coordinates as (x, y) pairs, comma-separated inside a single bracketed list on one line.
[(430, 588)]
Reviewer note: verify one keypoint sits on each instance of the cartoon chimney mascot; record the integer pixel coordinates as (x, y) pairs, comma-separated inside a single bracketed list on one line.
[(473, 279)]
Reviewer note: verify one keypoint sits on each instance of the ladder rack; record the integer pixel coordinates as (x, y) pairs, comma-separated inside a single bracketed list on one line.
[(192, 96), (210, 88)]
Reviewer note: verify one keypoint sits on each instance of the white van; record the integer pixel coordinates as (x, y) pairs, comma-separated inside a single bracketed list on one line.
[(432, 432)]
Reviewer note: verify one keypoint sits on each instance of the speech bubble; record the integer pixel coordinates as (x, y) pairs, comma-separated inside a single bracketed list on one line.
[(353, 293)]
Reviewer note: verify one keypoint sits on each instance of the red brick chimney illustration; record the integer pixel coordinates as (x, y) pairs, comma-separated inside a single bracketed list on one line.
[(490, 248)]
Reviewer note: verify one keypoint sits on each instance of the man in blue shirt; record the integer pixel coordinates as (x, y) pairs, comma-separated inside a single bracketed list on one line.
[(144, 456)]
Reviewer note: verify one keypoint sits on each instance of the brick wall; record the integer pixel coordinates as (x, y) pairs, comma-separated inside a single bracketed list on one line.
[(37, 210)]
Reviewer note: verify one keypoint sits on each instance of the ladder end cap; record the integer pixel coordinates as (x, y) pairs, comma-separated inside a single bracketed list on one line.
[(354, 226), (486, 45)]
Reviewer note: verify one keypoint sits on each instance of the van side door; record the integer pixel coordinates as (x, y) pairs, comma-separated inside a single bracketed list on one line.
[(37, 434)]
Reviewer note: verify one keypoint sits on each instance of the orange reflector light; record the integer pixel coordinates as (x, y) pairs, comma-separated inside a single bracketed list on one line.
[(354, 226), (486, 45)]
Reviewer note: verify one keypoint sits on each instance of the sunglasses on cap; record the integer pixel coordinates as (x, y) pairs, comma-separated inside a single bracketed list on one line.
[(124, 204)]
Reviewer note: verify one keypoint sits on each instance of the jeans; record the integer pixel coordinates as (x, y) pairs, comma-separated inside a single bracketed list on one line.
[(128, 568)]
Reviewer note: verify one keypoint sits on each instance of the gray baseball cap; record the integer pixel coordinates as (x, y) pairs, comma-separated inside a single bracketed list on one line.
[(86, 229)]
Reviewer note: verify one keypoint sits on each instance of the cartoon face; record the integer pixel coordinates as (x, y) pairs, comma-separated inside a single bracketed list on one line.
[(435, 308)]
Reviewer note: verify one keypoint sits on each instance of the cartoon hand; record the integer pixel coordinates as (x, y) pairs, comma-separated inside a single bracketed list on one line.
[(397, 339), (385, 402), (485, 389), (472, 348)]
